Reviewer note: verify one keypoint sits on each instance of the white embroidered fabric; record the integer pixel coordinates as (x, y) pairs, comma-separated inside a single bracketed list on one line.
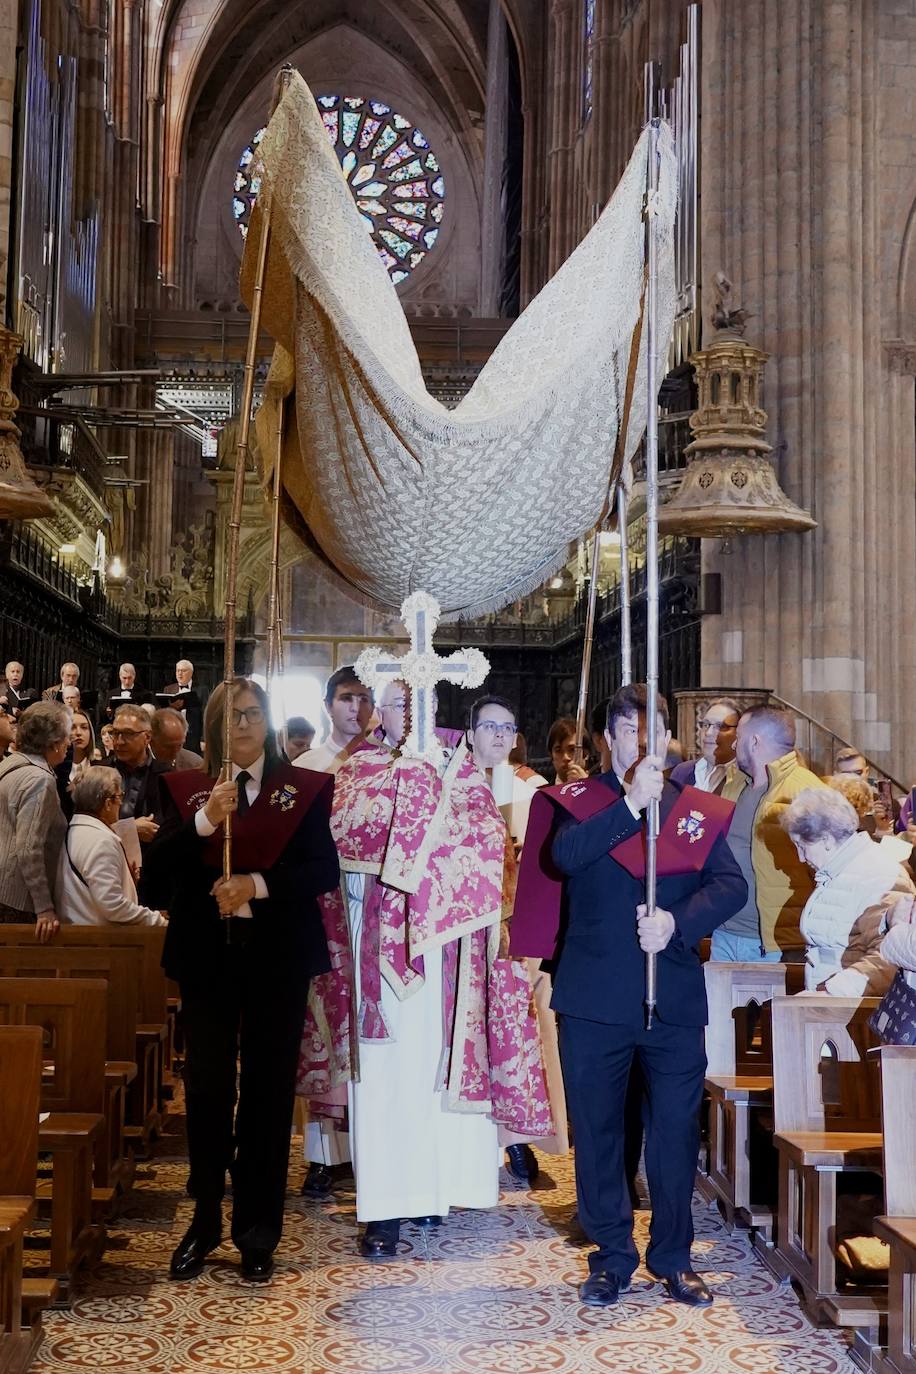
[(475, 505)]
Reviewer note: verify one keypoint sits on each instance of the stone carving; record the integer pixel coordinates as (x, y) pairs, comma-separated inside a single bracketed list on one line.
[(735, 321), (186, 590)]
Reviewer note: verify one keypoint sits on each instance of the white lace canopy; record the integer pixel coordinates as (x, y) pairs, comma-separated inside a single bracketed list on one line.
[(475, 505)]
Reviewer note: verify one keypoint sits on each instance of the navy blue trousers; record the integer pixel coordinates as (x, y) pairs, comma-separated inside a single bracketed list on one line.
[(596, 1068)]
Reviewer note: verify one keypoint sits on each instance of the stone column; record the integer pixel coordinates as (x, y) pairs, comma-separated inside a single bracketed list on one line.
[(492, 230), (564, 14), (801, 208), (9, 10)]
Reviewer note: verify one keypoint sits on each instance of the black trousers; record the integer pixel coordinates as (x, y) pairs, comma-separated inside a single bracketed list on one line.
[(596, 1062), (242, 1016)]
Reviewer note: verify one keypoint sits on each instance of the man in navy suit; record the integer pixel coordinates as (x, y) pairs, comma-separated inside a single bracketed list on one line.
[(599, 992)]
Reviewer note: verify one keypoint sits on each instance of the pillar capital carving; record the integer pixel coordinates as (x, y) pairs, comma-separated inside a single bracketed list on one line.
[(901, 356)]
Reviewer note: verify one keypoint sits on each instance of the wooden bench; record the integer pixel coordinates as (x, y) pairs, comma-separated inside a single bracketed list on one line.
[(898, 1226), (826, 1100), (145, 1099), (70, 1017), (21, 1300), (120, 968), (739, 1081)]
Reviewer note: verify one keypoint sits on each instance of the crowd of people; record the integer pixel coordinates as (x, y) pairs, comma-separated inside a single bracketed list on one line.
[(125, 828)]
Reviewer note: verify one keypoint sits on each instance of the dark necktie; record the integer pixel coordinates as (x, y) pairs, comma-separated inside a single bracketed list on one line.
[(243, 780)]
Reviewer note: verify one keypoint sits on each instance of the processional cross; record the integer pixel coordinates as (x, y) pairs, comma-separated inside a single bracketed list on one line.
[(421, 669)]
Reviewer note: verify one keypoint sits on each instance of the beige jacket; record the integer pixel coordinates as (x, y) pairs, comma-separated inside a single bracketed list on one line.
[(783, 882)]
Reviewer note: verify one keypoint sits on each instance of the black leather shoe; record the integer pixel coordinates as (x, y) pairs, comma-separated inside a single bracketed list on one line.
[(318, 1182), (521, 1163), (380, 1239), (427, 1223), (602, 1289), (191, 1252), (687, 1287), (257, 1265)]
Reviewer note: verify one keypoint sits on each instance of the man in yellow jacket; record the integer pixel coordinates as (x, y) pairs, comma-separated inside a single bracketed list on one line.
[(779, 884)]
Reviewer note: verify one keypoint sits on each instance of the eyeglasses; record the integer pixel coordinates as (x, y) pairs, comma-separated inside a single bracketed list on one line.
[(497, 727), (715, 725), (252, 715), (126, 734)]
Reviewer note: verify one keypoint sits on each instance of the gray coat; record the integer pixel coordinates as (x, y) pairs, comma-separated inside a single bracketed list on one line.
[(32, 830)]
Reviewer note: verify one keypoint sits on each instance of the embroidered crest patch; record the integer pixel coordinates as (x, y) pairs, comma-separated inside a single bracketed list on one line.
[(198, 800), (692, 826), (284, 797)]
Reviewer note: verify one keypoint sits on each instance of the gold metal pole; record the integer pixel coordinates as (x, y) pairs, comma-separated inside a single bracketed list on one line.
[(274, 610), (235, 519), (274, 647), (238, 486), (588, 642)]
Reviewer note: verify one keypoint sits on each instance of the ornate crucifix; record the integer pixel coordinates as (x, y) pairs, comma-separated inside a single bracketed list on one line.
[(421, 669)]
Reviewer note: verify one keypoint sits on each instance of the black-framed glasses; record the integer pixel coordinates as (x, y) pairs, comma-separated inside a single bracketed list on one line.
[(716, 725), (117, 733), (252, 715)]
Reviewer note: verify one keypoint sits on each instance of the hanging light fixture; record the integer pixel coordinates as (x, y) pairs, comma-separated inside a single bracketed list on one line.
[(729, 486), (20, 497)]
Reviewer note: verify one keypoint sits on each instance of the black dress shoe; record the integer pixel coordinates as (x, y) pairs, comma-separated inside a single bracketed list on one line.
[(257, 1265), (687, 1287), (602, 1289), (427, 1223), (521, 1163), (380, 1239), (191, 1252), (318, 1182)]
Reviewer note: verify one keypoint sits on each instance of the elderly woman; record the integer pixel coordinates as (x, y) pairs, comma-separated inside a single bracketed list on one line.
[(95, 886), (32, 824), (855, 881), (899, 945)]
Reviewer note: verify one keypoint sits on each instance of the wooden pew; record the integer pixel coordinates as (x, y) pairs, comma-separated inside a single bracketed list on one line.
[(898, 1226), (69, 1015), (739, 1081), (20, 1087), (827, 1121), (144, 1101), (145, 1098), (120, 967)]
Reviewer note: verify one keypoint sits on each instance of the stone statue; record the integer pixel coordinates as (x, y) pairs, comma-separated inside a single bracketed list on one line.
[(723, 318)]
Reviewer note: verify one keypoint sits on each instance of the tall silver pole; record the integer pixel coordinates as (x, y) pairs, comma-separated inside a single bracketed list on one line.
[(626, 631), (651, 541)]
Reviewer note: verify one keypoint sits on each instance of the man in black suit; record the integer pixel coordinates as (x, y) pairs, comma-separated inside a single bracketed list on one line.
[(243, 950), (128, 691), (140, 773), (13, 696), (599, 992), (182, 695)]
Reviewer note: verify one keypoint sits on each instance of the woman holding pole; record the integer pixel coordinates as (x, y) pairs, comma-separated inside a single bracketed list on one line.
[(243, 948)]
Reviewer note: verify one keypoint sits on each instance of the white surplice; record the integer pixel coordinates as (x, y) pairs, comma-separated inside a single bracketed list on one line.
[(323, 1143)]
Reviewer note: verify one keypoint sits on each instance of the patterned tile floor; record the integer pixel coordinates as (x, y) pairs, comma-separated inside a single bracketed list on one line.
[(490, 1293)]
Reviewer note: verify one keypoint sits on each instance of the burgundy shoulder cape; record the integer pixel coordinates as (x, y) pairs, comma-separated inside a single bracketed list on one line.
[(690, 829), (261, 835)]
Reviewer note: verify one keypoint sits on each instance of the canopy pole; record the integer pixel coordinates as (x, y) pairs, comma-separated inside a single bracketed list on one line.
[(588, 642), (626, 628), (651, 541), (235, 520), (274, 605), (238, 486)]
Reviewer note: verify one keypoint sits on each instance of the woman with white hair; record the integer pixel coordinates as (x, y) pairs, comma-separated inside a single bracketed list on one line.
[(95, 886), (844, 919), (32, 824)]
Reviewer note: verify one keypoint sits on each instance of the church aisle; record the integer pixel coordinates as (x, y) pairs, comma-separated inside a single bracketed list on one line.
[(490, 1293)]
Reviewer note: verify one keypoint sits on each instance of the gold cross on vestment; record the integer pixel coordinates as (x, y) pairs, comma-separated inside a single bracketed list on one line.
[(421, 669)]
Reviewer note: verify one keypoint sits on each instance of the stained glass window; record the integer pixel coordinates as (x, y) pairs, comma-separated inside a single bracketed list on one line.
[(394, 175), (588, 31)]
